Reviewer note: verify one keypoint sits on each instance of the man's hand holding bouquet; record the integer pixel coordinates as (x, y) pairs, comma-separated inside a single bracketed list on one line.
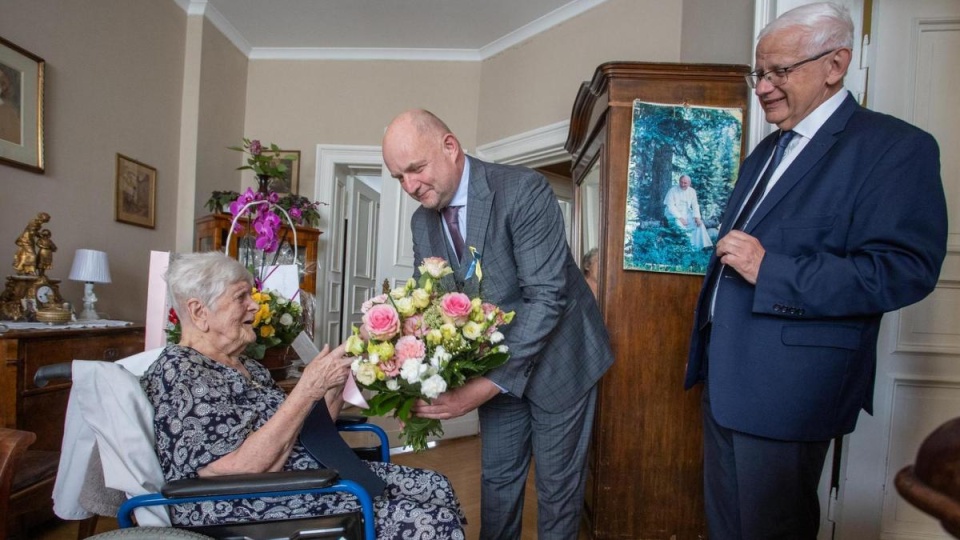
[(419, 341)]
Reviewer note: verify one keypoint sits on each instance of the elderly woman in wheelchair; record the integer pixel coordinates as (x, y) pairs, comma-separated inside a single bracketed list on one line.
[(219, 412)]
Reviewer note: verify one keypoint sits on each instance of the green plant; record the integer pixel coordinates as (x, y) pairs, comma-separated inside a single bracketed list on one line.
[(262, 161), (220, 199)]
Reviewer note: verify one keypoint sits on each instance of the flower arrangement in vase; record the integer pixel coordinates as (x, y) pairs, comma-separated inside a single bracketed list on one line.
[(264, 162)]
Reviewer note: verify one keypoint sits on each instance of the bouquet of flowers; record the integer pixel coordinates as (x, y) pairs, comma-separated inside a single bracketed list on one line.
[(278, 322), (418, 341)]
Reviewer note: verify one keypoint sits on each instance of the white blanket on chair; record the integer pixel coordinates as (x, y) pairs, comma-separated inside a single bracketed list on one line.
[(108, 411)]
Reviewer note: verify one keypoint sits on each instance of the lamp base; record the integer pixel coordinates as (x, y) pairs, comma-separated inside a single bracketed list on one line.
[(88, 314)]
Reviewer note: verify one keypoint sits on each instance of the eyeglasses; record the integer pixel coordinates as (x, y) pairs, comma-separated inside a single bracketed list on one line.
[(778, 76)]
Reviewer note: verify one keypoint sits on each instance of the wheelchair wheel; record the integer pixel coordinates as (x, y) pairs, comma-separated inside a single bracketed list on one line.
[(149, 533)]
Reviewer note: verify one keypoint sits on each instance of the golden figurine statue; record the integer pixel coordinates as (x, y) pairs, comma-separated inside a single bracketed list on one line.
[(25, 260)]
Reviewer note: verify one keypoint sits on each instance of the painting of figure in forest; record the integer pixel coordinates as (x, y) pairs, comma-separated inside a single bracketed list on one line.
[(683, 163)]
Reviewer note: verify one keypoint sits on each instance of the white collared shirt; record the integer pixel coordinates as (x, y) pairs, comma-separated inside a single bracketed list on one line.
[(460, 199)]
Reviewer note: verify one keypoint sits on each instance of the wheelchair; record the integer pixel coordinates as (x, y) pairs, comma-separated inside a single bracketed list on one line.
[(108, 412)]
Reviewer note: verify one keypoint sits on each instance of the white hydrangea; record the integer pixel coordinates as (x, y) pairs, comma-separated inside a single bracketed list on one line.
[(433, 386)]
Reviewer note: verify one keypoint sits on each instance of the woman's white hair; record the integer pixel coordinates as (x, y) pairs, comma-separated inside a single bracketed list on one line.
[(827, 25), (203, 276)]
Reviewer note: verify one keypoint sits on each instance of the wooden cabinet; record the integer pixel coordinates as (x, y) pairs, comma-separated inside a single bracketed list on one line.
[(211, 235), (645, 465), (26, 407)]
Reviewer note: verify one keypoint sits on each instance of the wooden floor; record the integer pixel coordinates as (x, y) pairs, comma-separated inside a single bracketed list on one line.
[(459, 459)]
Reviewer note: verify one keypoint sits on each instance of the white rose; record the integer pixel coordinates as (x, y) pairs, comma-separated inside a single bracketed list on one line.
[(433, 386), (286, 319), (393, 384), (411, 370), (366, 374), (472, 331)]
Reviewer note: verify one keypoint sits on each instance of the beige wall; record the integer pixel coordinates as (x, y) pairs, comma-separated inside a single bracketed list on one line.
[(717, 32), (300, 104), (534, 84), (113, 81), (223, 94)]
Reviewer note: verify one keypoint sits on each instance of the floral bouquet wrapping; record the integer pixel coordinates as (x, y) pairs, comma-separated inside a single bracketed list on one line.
[(418, 342)]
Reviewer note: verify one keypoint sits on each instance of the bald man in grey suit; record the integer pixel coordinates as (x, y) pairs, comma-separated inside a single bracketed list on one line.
[(541, 403)]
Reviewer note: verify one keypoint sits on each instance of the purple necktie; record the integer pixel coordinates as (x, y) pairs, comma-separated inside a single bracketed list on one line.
[(451, 215), (761, 186)]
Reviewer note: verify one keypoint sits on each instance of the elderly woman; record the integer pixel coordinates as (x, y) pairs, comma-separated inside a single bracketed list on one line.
[(218, 412)]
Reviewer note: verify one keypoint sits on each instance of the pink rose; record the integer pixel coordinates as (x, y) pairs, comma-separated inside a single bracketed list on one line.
[(456, 307), (413, 326), (409, 347), (379, 299), (382, 322)]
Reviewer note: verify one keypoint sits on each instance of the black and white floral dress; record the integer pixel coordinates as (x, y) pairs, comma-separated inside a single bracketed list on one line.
[(205, 410)]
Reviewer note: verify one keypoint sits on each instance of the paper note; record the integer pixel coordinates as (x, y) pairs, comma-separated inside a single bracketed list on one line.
[(307, 350)]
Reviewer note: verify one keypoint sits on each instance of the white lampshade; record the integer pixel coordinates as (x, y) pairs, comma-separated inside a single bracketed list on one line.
[(90, 265)]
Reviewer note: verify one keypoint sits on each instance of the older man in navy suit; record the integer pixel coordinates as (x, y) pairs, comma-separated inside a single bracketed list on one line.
[(541, 403), (836, 218)]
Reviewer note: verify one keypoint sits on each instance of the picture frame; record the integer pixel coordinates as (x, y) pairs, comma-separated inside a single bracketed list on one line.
[(290, 183), (684, 162), (21, 110), (136, 193)]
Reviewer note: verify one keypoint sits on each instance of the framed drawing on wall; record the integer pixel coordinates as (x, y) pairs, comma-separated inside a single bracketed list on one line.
[(684, 161), (290, 182), (21, 107), (136, 193)]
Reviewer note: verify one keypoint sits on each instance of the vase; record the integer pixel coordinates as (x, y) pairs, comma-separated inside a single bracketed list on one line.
[(278, 361), (263, 183)]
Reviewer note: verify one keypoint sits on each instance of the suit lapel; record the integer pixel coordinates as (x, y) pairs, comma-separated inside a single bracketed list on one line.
[(746, 181), (479, 206), (821, 143)]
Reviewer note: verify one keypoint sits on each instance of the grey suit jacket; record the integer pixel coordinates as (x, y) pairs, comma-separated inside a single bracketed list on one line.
[(559, 346)]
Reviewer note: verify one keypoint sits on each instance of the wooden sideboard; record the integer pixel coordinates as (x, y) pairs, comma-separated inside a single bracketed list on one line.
[(210, 234), (26, 407)]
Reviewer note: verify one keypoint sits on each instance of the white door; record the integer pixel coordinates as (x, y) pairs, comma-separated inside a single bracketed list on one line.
[(360, 268), (330, 303), (914, 75), (395, 261)]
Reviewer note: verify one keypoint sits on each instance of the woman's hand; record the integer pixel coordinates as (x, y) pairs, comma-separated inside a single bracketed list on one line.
[(327, 371)]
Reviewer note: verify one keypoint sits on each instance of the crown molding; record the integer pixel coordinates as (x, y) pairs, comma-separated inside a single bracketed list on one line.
[(361, 53), (535, 148), (548, 21)]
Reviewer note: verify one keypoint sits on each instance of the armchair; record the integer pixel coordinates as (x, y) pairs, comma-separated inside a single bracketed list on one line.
[(932, 483), (109, 415)]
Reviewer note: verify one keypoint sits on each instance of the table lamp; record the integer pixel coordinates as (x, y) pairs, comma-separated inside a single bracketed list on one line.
[(90, 266)]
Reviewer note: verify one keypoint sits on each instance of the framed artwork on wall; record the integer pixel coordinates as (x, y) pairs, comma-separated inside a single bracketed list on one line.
[(136, 193), (21, 107), (290, 182), (684, 161)]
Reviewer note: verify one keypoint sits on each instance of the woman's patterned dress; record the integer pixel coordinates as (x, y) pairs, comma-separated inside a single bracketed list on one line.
[(205, 410)]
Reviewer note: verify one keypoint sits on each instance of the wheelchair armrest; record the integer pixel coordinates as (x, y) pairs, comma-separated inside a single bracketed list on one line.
[(45, 374), (350, 420), (252, 483)]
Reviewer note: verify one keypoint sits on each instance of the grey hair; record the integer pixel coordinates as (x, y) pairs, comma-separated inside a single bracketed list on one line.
[(827, 26), (587, 260), (204, 276)]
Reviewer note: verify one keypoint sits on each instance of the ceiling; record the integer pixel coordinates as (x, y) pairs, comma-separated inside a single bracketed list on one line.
[(382, 29)]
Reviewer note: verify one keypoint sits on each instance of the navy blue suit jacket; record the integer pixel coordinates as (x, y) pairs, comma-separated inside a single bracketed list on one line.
[(855, 227)]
